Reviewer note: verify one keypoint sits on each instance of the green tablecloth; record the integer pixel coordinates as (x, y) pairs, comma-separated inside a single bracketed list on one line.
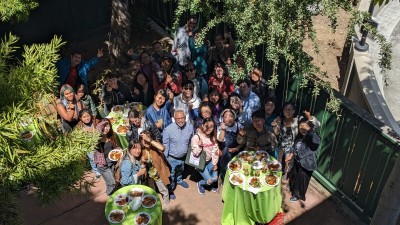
[(155, 212), (119, 121), (242, 207)]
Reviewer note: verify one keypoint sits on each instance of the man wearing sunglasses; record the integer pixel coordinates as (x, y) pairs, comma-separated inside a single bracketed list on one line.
[(188, 101)]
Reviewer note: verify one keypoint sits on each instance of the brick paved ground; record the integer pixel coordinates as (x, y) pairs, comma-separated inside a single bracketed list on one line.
[(190, 208)]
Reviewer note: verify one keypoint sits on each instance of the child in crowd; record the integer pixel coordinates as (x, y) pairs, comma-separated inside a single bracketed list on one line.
[(86, 99)]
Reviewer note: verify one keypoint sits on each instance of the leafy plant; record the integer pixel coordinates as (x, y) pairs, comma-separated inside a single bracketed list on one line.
[(281, 26), (52, 162)]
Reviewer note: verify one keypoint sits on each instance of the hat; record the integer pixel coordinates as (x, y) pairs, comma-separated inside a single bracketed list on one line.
[(168, 56)]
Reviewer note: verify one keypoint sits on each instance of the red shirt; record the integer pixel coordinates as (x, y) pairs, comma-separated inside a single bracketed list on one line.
[(72, 77)]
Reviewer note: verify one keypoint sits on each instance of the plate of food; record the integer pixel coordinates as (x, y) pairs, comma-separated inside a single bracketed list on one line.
[(149, 201), (271, 180), (142, 218), (255, 182), (112, 120), (246, 156), (27, 135), (260, 155), (274, 165), (121, 200), (235, 166), (121, 129), (115, 154), (136, 192), (118, 109), (116, 216), (237, 179)]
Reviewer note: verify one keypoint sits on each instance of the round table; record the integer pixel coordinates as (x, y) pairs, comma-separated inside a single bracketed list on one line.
[(243, 207), (155, 212)]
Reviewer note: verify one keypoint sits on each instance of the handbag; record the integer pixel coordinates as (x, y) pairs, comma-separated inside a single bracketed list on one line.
[(198, 162)]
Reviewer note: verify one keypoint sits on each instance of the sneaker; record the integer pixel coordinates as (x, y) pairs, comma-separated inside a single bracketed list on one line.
[(214, 189), (98, 175), (172, 196), (293, 199), (201, 189), (184, 184)]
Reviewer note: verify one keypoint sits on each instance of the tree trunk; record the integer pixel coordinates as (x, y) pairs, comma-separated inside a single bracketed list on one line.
[(120, 32), (388, 209)]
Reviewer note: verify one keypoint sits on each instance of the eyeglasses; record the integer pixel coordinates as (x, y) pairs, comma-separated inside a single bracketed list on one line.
[(188, 88), (191, 70)]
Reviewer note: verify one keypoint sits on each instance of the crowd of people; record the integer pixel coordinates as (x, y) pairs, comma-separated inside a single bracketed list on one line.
[(192, 103)]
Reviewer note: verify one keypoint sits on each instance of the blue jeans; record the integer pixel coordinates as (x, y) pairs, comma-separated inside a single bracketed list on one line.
[(208, 173), (177, 167), (90, 156), (108, 177)]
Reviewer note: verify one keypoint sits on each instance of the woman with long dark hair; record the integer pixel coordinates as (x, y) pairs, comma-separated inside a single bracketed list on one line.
[(205, 140), (68, 108), (305, 159), (142, 89), (106, 143)]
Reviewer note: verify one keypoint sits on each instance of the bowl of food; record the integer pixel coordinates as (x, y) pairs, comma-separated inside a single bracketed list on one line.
[(142, 218), (246, 156), (115, 154), (257, 165), (260, 155), (149, 201), (27, 135), (255, 182), (235, 166), (121, 200), (237, 179), (118, 109), (136, 192), (116, 216), (274, 166), (271, 180), (121, 129)]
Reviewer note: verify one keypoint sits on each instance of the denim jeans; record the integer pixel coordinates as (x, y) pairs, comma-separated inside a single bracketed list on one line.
[(177, 167), (108, 177), (90, 156), (208, 173)]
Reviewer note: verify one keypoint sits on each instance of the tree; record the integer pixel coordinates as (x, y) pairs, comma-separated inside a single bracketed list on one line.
[(280, 25), (51, 162), (120, 32), (16, 10)]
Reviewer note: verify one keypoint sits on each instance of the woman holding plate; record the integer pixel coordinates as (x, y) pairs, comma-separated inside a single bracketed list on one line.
[(102, 160)]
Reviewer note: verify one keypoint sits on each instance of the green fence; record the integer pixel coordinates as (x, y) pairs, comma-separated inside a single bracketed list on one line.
[(355, 157)]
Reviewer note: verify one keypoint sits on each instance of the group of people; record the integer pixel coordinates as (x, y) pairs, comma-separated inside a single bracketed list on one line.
[(191, 103)]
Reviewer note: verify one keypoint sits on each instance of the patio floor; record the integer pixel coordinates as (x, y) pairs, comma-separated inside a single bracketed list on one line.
[(190, 208)]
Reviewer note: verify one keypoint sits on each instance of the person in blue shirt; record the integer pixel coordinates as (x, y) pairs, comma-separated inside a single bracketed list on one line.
[(158, 112), (251, 102), (176, 139), (132, 167), (73, 70)]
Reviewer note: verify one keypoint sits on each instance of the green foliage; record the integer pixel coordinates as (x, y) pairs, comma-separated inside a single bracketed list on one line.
[(280, 25), (16, 10), (52, 162)]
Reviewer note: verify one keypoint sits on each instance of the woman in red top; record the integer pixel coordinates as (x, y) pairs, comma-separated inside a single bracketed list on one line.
[(221, 81)]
